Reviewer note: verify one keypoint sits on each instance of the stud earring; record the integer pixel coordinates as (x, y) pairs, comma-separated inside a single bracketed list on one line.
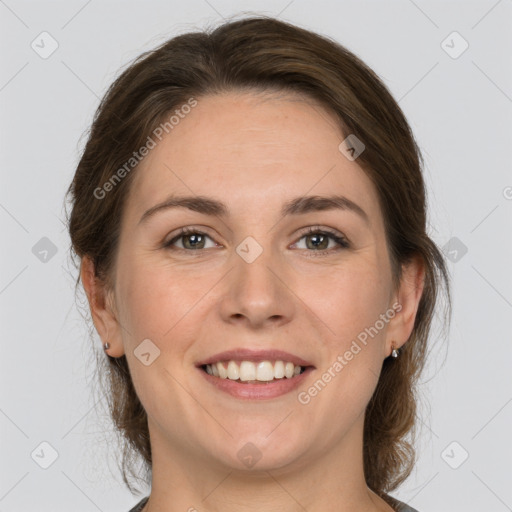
[(106, 346), (394, 351)]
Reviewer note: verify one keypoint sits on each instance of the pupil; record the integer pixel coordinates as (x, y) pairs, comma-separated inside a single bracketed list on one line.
[(193, 237), (321, 236)]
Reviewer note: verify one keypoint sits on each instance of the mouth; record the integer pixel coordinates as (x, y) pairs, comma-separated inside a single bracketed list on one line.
[(255, 374), (251, 372)]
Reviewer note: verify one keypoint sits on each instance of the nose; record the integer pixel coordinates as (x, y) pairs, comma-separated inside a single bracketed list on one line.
[(259, 293)]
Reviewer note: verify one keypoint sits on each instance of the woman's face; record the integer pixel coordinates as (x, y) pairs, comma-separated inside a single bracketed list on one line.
[(253, 281)]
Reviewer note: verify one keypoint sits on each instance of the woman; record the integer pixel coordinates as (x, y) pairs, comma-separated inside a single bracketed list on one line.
[(249, 214)]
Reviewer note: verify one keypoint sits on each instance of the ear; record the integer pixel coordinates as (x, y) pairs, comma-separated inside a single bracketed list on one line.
[(102, 308), (408, 297)]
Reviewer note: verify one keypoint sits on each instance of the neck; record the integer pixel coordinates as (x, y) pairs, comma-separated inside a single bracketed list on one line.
[(330, 481)]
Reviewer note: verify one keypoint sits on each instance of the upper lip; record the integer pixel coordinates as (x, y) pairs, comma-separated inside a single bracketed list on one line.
[(243, 354)]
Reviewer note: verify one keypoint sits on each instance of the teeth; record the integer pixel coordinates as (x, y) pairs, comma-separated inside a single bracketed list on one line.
[(279, 370), (233, 370), (223, 373), (265, 371), (247, 371), (288, 370)]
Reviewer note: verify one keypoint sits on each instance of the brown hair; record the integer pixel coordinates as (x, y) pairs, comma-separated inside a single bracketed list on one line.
[(264, 54)]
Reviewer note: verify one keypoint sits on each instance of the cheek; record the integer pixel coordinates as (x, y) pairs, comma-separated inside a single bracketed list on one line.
[(351, 368), (155, 298), (353, 300)]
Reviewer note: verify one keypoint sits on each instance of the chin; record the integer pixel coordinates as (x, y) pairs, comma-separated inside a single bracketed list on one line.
[(263, 449)]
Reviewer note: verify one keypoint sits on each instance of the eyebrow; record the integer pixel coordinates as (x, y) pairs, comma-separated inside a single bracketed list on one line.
[(297, 206)]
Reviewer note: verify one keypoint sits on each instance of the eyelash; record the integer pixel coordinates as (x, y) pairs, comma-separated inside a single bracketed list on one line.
[(341, 240)]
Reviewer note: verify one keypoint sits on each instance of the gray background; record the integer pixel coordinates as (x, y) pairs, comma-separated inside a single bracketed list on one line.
[(460, 110)]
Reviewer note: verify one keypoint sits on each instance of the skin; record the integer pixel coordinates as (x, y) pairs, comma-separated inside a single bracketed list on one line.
[(254, 152)]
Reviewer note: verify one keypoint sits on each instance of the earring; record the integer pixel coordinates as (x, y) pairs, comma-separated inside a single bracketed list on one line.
[(394, 351), (106, 346)]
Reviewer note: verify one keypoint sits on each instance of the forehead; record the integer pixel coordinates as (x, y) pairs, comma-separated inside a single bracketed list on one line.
[(246, 149)]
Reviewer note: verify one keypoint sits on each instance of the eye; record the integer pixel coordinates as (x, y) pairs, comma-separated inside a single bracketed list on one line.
[(318, 239), (192, 240)]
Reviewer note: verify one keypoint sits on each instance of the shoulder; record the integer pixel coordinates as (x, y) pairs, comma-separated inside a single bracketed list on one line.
[(139, 505), (402, 507)]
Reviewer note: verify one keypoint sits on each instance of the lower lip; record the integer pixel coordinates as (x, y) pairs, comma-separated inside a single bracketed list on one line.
[(263, 391)]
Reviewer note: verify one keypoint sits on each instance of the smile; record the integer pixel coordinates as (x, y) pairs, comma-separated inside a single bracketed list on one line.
[(255, 375), (253, 372)]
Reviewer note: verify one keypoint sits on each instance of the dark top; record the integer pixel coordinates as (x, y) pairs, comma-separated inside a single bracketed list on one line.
[(402, 507), (139, 505)]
